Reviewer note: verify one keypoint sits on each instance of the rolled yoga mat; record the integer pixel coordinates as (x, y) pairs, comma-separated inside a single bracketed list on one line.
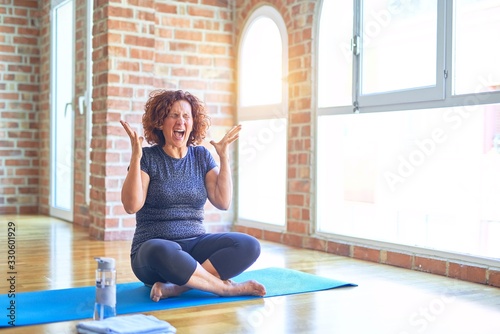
[(48, 306)]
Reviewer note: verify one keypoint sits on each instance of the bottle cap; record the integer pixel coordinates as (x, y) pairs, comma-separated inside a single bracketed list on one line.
[(105, 262)]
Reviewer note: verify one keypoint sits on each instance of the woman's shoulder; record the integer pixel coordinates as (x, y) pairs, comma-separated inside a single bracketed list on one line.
[(203, 156), (153, 149), (200, 151), (151, 152)]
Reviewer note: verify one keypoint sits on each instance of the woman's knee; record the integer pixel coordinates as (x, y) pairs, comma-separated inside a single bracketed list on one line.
[(166, 259), (158, 250), (250, 245)]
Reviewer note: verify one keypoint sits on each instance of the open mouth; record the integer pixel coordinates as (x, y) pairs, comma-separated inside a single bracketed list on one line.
[(179, 134)]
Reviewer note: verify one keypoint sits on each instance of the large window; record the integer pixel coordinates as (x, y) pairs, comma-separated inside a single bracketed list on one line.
[(425, 174), (262, 110)]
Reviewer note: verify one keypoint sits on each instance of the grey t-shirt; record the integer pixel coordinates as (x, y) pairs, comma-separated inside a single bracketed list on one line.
[(176, 195)]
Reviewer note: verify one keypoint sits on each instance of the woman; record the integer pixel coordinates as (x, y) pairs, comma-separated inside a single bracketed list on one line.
[(167, 186)]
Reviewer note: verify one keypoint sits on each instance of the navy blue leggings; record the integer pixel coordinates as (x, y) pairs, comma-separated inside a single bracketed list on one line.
[(159, 260)]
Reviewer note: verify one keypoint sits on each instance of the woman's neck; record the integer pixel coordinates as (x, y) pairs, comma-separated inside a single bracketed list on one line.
[(175, 152)]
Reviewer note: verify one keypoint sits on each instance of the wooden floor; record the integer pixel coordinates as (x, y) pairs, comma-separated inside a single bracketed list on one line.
[(52, 254)]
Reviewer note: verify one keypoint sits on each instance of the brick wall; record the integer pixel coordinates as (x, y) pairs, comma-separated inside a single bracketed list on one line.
[(19, 105)]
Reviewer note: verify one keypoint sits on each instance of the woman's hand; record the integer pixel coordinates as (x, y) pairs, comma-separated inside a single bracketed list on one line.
[(135, 140), (218, 181), (135, 186), (222, 146)]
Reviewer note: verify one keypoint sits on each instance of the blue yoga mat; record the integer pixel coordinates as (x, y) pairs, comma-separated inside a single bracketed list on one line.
[(47, 306)]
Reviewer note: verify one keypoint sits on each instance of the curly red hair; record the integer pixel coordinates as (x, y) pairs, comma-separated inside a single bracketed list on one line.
[(159, 105)]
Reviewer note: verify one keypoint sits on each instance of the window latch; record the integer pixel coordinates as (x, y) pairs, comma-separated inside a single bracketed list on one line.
[(355, 45)]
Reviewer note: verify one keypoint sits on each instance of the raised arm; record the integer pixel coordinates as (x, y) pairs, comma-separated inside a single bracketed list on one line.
[(135, 186), (218, 181)]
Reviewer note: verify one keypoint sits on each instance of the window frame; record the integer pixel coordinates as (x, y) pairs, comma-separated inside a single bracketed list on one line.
[(440, 96), (265, 111), (432, 93)]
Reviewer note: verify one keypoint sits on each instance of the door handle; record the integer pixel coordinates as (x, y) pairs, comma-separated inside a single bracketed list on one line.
[(81, 102), (66, 108)]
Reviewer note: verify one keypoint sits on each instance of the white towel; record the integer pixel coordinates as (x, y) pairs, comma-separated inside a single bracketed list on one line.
[(129, 324)]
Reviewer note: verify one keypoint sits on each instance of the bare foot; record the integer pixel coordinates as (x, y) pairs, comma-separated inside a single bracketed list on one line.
[(164, 290), (247, 288)]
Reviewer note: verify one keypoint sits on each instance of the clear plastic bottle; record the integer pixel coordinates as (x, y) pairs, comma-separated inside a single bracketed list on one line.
[(105, 292)]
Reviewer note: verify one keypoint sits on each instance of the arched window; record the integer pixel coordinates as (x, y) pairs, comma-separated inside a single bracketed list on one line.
[(262, 110)]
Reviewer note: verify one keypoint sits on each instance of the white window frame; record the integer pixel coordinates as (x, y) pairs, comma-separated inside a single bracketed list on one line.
[(53, 209), (268, 111), (439, 96), (432, 93)]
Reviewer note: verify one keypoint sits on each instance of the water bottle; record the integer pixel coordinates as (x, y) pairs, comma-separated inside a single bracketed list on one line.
[(105, 288)]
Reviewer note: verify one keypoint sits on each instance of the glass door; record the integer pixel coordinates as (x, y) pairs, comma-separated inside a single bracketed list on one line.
[(62, 92)]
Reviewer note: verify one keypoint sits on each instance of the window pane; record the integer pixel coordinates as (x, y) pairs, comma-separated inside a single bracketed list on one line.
[(335, 56), (477, 51), (261, 69), (426, 178), (398, 45), (262, 171)]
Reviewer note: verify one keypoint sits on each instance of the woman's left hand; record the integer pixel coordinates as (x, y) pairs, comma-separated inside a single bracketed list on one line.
[(222, 146)]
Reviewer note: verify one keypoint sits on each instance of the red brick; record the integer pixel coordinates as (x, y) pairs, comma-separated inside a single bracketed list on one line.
[(122, 25), (211, 49), (294, 199), (26, 40), (338, 248), (364, 253), (429, 265), (26, 171), (188, 35), (196, 11), (467, 272), (7, 29), (219, 38), (26, 3), (272, 236), (494, 278), (292, 240), (220, 3), (297, 227), (120, 12), (399, 259), (300, 118), (315, 243), (139, 41), (9, 20), (164, 8), (7, 48)]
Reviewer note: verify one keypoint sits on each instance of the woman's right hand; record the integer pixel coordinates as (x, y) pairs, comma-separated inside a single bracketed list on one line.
[(135, 186), (135, 140)]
